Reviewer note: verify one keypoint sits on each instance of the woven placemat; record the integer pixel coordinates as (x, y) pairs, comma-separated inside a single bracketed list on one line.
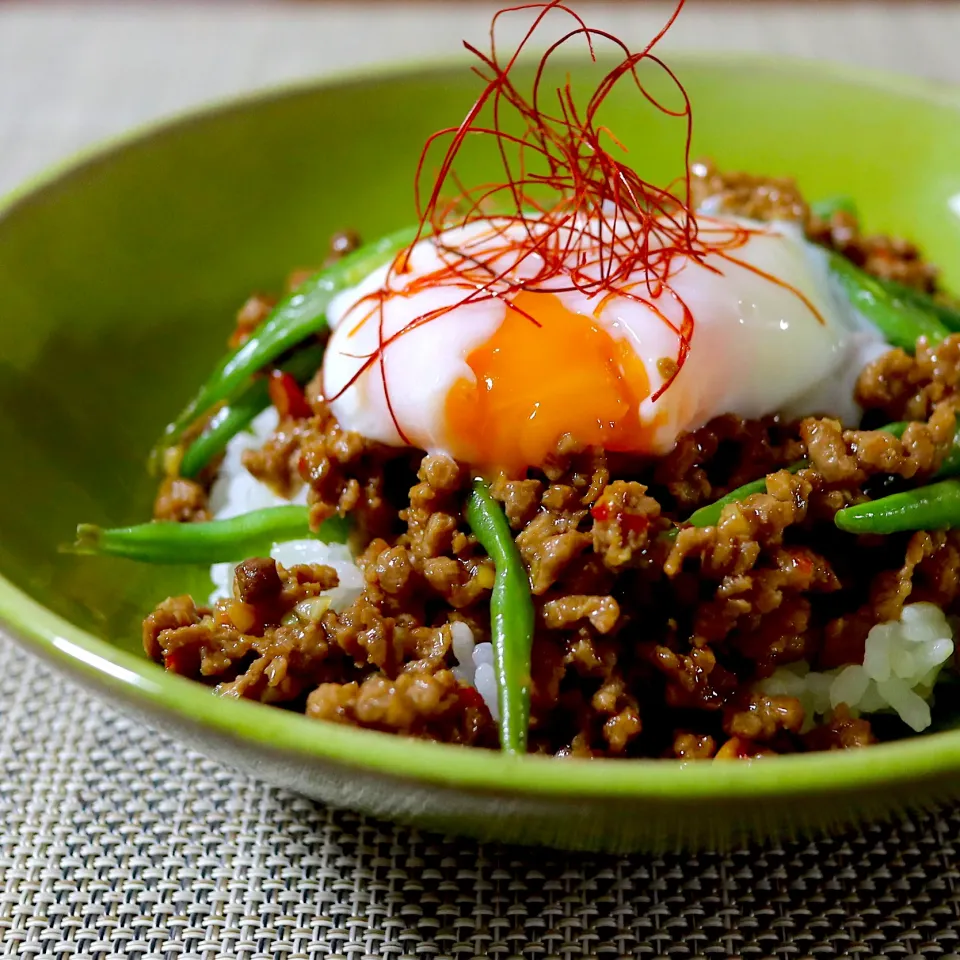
[(117, 842)]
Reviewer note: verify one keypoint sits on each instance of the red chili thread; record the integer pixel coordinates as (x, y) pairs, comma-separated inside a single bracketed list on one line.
[(601, 222), (287, 397)]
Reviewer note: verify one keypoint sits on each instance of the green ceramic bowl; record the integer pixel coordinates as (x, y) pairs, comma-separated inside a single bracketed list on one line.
[(118, 280)]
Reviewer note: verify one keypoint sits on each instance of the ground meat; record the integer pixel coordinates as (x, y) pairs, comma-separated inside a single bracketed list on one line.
[(720, 457), (275, 639), (624, 518), (746, 195), (771, 198), (180, 500), (841, 732), (852, 456), (602, 612), (639, 632), (549, 553), (345, 472), (734, 546), (693, 746), (635, 627), (438, 546), (430, 706), (902, 387), (650, 635), (694, 680), (173, 614), (520, 499), (763, 717), (277, 462), (885, 257)]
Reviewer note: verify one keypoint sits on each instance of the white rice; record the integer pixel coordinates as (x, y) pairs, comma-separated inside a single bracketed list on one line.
[(236, 491), (336, 555), (475, 665), (900, 667)]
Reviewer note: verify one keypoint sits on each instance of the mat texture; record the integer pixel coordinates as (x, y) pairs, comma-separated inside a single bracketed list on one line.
[(115, 842)]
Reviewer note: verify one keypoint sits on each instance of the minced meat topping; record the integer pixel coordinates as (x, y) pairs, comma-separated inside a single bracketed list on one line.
[(646, 644)]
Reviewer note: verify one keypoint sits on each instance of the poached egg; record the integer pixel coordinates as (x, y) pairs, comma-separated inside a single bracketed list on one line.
[(750, 325)]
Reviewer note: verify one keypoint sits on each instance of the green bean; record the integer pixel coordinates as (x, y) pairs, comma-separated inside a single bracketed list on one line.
[(900, 321), (228, 421), (948, 315), (951, 462), (934, 507), (709, 515), (827, 207), (214, 541), (301, 315), (511, 617)]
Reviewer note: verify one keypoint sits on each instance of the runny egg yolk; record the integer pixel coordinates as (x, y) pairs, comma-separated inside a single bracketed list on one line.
[(495, 386), (536, 382)]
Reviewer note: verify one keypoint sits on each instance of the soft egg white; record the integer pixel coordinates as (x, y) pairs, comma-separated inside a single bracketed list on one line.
[(757, 346)]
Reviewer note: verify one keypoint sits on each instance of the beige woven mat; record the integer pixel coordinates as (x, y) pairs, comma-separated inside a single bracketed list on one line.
[(116, 843)]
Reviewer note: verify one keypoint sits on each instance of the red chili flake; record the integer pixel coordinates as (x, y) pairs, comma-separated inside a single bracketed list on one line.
[(471, 699), (600, 511), (287, 397), (629, 522), (171, 662), (633, 522), (802, 561)]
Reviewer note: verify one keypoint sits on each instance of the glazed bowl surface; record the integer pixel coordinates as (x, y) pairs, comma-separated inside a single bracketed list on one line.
[(119, 277)]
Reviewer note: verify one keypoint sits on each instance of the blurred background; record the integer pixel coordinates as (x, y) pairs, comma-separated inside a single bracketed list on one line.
[(72, 73)]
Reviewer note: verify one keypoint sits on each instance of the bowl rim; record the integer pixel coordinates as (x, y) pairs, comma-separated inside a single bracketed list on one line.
[(136, 679)]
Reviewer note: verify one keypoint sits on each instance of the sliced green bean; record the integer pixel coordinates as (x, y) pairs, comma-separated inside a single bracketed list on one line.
[(214, 541), (228, 421), (301, 315), (709, 515), (900, 321), (948, 315), (934, 507), (951, 462), (827, 207), (511, 617)]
